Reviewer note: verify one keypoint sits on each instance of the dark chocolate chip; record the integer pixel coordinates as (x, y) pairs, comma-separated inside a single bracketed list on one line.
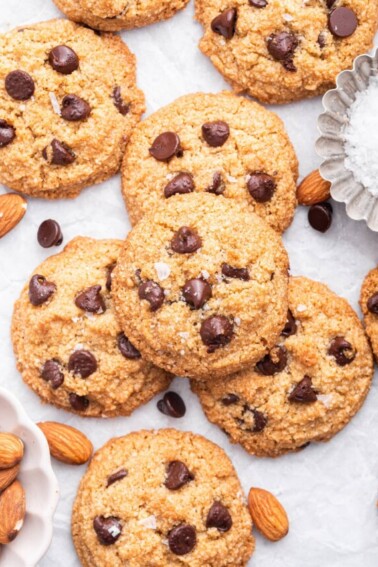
[(330, 3), (303, 392), (320, 216), (19, 85), (59, 153), (186, 240), (116, 476), (342, 22), (281, 47), (261, 186), (372, 303), (219, 517), (178, 475), (180, 184), (232, 272), (274, 362), (166, 146), (127, 349), (63, 59), (342, 350), (107, 529), (172, 404), (196, 292), (321, 40), (215, 133), (260, 421), (78, 403), (290, 327), (49, 234), (7, 133), (182, 539), (91, 300), (230, 399), (225, 23), (122, 106), (153, 293), (218, 186), (40, 290), (258, 3), (216, 331), (51, 372), (83, 363), (74, 108)]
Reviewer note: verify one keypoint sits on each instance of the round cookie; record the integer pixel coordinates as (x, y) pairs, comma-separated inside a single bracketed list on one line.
[(170, 496), (283, 50), (68, 344), (227, 145), (369, 308), (68, 103), (201, 286), (115, 15), (308, 389)]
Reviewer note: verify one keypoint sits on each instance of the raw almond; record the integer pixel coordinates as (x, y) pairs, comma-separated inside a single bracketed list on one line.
[(66, 443), (12, 512), (7, 476), (313, 189), (268, 514), (12, 209), (11, 450)]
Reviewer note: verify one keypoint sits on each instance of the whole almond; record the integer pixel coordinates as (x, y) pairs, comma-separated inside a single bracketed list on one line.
[(7, 476), (66, 443), (313, 189), (12, 512), (12, 209), (11, 450), (268, 514)]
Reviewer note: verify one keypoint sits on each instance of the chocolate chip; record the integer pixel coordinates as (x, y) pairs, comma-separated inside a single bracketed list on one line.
[(216, 331), (182, 539), (51, 372), (215, 133), (260, 421), (232, 272), (180, 184), (219, 517), (186, 240), (172, 404), (372, 303), (49, 234), (19, 85), (261, 186), (166, 146), (116, 476), (230, 399), (225, 23), (258, 3), (40, 290), (321, 40), (218, 186), (74, 108), (342, 350), (273, 362), (290, 327), (153, 293), (127, 349), (59, 153), (121, 106), (303, 392), (320, 216), (281, 47), (178, 475), (63, 59), (83, 363), (342, 22), (7, 133), (91, 300), (330, 3), (196, 292), (107, 529), (78, 403), (109, 271)]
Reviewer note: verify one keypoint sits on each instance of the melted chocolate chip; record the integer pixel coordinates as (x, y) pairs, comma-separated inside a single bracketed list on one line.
[(320, 216), (290, 327), (127, 349), (91, 300), (321, 40), (216, 331), (342, 350), (180, 184), (59, 153), (116, 476), (274, 362), (83, 363), (225, 23), (63, 59), (153, 293), (51, 372), (330, 3), (121, 106), (372, 303), (107, 529), (232, 272), (49, 234), (186, 240), (217, 187), (219, 517), (196, 292), (109, 271), (172, 404), (260, 421), (7, 133), (342, 22), (178, 475), (166, 146), (258, 3), (74, 108), (303, 392), (182, 539), (78, 403), (230, 399), (19, 85), (215, 133), (261, 186), (281, 47), (40, 290)]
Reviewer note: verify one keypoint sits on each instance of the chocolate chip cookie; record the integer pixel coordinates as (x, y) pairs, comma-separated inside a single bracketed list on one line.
[(200, 287), (216, 143), (161, 498), (369, 308), (307, 388), (114, 15), (69, 347), (279, 51), (68, 103)]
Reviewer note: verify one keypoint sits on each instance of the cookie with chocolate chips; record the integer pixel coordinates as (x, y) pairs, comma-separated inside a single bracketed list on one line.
[(306, 388), (68, 103), (283, 51), (69, 347), (170, 496), (369, 308), (201, 286), (214, 143)]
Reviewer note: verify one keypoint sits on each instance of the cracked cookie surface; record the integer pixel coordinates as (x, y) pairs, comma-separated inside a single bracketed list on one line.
[(310, 387), (172, 497), (68, 103)]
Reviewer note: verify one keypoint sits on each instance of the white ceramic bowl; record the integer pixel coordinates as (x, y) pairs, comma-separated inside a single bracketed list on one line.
[(39, 482)]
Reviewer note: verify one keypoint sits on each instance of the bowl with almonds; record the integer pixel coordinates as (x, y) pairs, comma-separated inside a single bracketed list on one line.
[(28, 487)]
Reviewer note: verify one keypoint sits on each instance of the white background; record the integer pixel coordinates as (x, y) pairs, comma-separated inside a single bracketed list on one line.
[(330, 490)]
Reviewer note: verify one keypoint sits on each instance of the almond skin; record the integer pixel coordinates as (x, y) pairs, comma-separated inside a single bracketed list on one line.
[(7, 476), (268, 514), (313, 189), (66, 443), (11, 450), (12, 209), (12, 512)]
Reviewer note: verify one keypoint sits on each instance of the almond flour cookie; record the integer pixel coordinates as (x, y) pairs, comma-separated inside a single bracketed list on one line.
[(68, 344), (217, 143), (310, 385), (161, 498), (114, 15), (369, 308), (68, 103), (284, 50), (200, 287)]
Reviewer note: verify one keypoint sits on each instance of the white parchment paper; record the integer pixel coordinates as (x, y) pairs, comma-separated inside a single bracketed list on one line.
[(329, 490)]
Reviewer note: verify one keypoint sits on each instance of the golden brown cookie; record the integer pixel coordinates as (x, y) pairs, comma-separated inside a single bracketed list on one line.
[(307, 389), (68, 344), (283, 50), (369, 307), (228, 146), (68, 103), (161, 498), (200, 287)]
